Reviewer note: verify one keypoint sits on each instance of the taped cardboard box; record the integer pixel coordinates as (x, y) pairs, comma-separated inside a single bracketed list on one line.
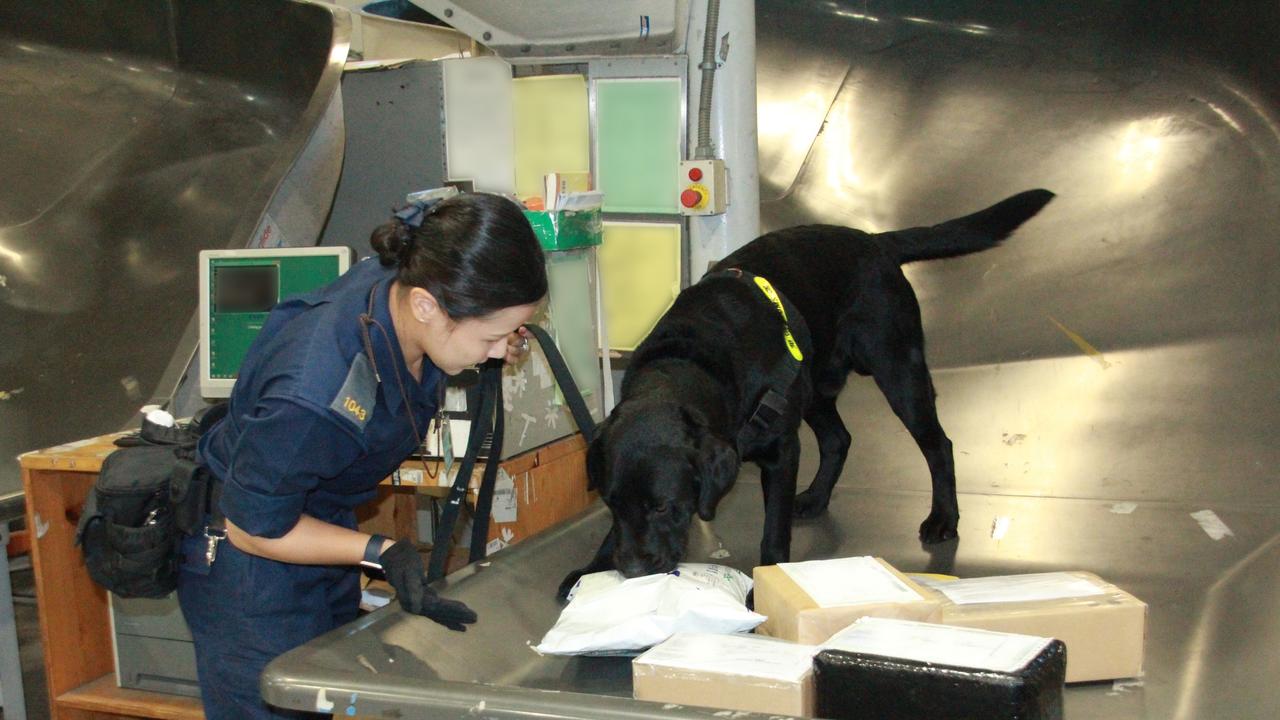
[(735, 672), (1103, 626), (899, 670), (808, 602)]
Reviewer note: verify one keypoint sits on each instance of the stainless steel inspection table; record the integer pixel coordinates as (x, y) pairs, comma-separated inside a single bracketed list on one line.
[(393, 665)]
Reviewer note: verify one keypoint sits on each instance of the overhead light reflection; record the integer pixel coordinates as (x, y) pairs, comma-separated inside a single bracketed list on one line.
[(1226, 118), (12, 256), (1141, 152), (841, 178), (857, 16), (1263, 113), (790, 125), (133, 255), (970, 28), (840, 170)]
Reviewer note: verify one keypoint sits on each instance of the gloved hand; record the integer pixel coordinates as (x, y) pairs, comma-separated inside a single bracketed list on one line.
[(404, 570)]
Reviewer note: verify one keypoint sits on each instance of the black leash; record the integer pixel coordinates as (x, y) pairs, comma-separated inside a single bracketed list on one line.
[(487, 424), (564, 378)]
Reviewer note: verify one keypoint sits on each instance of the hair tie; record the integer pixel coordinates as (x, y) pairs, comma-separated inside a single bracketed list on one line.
[(412, 214), (408, 221)]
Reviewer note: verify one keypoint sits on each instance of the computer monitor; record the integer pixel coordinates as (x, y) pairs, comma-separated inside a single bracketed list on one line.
[(238, 288)]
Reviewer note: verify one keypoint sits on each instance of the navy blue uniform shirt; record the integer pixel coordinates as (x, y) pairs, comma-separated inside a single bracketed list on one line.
[(309, 429)]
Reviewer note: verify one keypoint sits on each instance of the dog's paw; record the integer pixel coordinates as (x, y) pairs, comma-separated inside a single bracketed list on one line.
[(567, 584), (938, 527), (808, 505)]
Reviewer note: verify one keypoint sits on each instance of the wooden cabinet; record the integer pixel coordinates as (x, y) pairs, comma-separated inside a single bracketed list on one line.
[(74, 623)]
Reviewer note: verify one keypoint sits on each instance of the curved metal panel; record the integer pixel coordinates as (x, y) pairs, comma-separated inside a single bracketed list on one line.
[(134, 136)]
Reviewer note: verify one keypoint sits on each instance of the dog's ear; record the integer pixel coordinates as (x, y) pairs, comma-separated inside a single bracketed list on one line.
[(595, 457), (717, 470)]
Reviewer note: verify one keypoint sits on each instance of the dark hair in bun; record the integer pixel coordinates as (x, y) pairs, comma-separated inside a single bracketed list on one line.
[(475, 254), (393, 241)]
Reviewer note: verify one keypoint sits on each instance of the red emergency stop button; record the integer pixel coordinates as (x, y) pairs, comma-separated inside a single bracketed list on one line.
[(691, 198), (695, 174)]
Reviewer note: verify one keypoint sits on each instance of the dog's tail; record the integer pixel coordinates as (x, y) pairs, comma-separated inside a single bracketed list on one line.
[(971, 233)]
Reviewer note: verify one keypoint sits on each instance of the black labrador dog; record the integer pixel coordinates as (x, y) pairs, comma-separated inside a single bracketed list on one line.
[(729, 372)]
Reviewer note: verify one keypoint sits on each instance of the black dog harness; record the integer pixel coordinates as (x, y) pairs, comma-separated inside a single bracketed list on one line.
[(795, 334)]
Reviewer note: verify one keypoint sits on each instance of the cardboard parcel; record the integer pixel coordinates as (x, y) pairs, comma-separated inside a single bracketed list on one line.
[(808, 602), (736, 672), (1103, 626)]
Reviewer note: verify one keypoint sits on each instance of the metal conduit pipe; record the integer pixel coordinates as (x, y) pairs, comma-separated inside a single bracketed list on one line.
[(705, 151)]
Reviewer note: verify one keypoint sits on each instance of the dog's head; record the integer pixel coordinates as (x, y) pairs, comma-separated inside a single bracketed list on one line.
[(656, 465)]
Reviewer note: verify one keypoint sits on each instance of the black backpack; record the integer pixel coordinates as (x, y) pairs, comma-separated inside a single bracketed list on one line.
[(148, 494)]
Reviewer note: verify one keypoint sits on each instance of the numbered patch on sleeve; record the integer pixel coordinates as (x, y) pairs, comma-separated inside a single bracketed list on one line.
[(358, 394)]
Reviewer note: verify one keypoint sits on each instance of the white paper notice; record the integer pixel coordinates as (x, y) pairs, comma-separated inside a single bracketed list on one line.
[(849, 581), (940, 644), (1017, 588), (504, 498), (745, 655), (455, 399)]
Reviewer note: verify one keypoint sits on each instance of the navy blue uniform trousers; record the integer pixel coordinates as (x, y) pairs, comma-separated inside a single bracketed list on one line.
[(247, 611)]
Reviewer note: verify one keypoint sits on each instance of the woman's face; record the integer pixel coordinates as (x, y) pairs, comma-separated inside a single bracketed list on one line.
[(454, 346)]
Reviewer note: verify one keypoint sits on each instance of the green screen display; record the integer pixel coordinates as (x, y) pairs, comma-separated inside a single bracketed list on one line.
[(638, 144), (243, 291)]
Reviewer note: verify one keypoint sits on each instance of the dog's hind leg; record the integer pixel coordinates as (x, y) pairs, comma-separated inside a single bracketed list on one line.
[(904, 379), (833, 448), (778, 481)]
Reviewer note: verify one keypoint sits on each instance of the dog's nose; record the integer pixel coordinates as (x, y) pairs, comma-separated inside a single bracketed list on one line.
[(642, 565), (635, 568)]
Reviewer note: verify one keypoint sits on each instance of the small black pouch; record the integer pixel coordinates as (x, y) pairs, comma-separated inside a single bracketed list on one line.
[(127, 530), (188, 493)]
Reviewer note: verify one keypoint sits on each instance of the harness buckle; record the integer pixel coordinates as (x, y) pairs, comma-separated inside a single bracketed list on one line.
[(772, 406)]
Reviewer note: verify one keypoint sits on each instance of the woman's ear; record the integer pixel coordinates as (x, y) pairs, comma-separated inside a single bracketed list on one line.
[(423, 305)]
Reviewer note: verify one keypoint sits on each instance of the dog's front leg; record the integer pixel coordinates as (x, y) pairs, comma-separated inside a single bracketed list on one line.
[(778, 481), (601, 562), (833, 446)]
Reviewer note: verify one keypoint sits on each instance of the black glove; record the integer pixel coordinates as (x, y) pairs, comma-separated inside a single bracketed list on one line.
[(403, 568)]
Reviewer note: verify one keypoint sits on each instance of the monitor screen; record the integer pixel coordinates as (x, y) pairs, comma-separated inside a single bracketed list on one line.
[(239, 288), (245, 288)]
